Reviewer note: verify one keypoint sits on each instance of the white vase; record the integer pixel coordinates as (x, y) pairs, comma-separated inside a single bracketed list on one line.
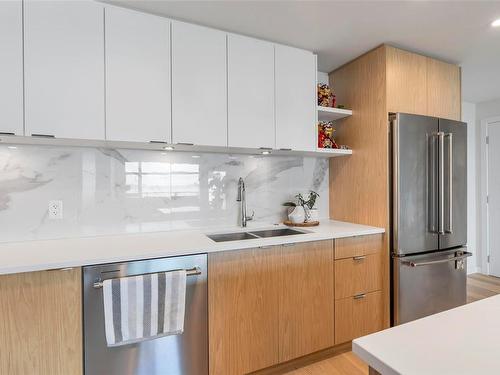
[(296, 215)]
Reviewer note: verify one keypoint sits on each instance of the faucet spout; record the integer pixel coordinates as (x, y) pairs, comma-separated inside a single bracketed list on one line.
[(241, 197)]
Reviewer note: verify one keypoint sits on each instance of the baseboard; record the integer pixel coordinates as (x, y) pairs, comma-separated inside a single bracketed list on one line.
[(471, 270), (285, 367)]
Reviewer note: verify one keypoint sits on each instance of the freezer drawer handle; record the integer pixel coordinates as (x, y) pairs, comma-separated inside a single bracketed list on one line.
[(189, 272), (462, 256)]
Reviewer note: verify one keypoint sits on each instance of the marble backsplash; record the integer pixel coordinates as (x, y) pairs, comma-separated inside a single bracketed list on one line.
[(115, 191)]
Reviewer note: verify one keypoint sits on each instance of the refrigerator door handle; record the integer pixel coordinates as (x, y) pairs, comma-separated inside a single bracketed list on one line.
[(441, 183), (432, 188), (462, 255), (449, 226)]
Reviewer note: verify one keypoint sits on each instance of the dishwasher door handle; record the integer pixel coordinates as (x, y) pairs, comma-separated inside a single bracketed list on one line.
[(189, 272)]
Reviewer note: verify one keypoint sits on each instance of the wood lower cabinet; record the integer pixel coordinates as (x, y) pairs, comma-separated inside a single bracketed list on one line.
[(41, 323), (358, 316), (268, 306), (360, 287), (243, 294), (357, 275), (306, 322)]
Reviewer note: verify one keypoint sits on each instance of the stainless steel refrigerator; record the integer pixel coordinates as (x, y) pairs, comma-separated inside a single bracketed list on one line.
[(429, 215)]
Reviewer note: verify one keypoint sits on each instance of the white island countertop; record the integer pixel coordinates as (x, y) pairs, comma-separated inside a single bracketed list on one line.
[(461, 341), (29, 256)]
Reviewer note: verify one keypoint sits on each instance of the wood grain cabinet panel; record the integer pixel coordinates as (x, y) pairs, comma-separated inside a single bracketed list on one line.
[(358, 275), (358, 246), (41, 323), (358, 316), (243, 290), (443, 90), (406, 75), (306, 314)]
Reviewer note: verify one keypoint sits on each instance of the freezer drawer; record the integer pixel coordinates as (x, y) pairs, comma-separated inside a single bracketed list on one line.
[(429, 283)]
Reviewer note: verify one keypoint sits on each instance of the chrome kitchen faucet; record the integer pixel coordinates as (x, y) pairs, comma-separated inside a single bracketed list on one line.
[(243, 203)]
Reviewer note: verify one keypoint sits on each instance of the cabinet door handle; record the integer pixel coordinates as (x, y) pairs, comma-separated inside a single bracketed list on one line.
[(61, 269), (359, 296), (43, 135), (360, 257), (185, 144)]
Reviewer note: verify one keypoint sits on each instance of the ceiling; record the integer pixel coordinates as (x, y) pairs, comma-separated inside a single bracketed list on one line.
[(338, 31)]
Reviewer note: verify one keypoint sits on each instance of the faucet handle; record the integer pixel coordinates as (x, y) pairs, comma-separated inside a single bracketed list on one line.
[(251, 216)]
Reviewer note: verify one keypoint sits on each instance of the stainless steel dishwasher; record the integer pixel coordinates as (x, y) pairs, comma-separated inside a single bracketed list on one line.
[(185, 354)]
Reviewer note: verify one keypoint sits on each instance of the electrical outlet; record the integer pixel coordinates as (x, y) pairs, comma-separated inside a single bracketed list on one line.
[(55, 209)]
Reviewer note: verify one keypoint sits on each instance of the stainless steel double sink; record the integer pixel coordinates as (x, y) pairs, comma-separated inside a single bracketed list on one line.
[(252, 235)]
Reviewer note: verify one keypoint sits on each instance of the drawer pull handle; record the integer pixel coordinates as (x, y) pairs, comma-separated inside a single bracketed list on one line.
[(361, 257), (359, 296)]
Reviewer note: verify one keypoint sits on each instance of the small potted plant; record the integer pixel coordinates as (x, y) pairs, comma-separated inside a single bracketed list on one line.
[(303, 210), (312, 213)]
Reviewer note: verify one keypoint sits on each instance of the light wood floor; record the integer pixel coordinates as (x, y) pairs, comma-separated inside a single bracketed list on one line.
[(478, 287)]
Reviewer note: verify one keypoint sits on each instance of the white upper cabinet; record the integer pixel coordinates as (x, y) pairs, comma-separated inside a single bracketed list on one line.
[(250, 92), (295, 99), (137, 76), (11, 67), (199, 90), (64, 68)]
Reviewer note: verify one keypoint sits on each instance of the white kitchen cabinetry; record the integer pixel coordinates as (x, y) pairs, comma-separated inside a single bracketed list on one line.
[(64, 68), (11, 67), (295, 99), (250, 92), (199, 89), (137, 76)]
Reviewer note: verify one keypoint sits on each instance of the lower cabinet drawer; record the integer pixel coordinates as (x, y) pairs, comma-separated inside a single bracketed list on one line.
[(360, 274), (358, 316)]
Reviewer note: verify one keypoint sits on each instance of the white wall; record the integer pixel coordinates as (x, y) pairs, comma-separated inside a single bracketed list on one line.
[(469, 116), (484, 111), (322, 77)]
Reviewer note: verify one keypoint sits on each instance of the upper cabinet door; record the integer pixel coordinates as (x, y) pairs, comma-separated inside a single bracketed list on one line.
[(11, 67), (137, 76), (64, 68), (295, 99), (199, 90), (444, 97), (250, 92)]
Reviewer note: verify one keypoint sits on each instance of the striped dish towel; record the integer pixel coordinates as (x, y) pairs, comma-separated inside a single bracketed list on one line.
[(144, 307)]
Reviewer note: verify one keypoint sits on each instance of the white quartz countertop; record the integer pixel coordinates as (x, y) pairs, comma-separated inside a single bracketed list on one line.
[(29, 256), (461, 341)]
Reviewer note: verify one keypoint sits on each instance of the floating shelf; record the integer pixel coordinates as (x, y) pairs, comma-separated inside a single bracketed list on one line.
[(332, 114), (334, 151)]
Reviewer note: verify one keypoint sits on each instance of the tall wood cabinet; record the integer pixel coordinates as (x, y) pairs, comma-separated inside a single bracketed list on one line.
[(41, 323), (381, 81)]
